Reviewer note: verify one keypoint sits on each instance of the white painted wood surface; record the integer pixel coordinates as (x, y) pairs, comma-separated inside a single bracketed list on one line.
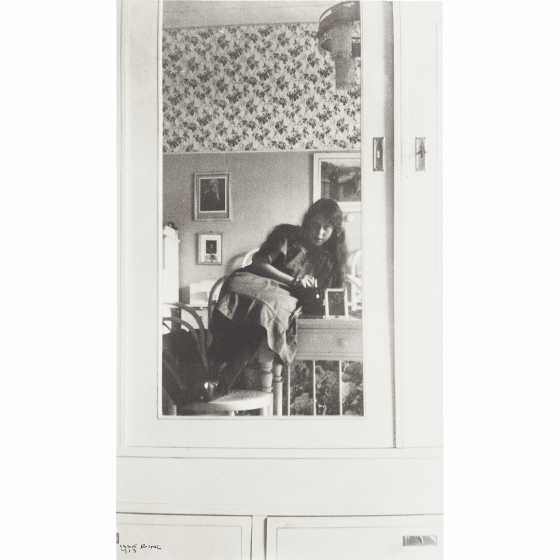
[(418, 242), (176, 537), (140, 340), (204, 466), (283, 486), (356, 538)]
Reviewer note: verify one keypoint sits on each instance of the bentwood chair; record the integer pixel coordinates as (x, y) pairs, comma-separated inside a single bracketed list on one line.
[(270, 372), (181, 367)]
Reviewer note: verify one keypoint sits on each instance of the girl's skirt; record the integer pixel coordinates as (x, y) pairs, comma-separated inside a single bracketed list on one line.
[(249, 308)]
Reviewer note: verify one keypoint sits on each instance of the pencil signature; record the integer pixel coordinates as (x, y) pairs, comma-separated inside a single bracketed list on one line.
[(129, 548)]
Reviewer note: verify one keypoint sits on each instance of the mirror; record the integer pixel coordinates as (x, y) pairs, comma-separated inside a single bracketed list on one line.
[(254, 131)]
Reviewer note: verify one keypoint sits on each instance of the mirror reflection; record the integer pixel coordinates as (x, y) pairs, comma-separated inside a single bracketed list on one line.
[(261, 205)]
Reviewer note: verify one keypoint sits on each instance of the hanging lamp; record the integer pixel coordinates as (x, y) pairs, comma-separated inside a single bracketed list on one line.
[(339, 34)]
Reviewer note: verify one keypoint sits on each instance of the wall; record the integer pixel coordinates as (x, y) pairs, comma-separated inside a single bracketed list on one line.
[(255, 101), (267, 189), (259, 87)]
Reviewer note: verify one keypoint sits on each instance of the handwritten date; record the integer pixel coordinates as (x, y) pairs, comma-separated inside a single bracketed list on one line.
[(129, 548)]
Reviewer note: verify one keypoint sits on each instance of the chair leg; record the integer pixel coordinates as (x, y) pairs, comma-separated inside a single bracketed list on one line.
[(277, 389), (271, 378), (266, 359)]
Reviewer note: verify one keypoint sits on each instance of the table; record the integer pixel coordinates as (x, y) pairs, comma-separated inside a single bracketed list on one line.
[(329, 339), (318, 339)]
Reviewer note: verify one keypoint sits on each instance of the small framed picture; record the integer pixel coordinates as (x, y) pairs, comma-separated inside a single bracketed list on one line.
[(212, 196), (336, 303), (338, 176), (210, 248)]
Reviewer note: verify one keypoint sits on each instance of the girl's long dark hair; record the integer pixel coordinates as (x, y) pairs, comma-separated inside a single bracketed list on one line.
[(336, 245)]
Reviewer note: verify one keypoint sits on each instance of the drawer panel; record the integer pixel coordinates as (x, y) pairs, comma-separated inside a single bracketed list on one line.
[(329, 344), (360, 538), (178, 537)]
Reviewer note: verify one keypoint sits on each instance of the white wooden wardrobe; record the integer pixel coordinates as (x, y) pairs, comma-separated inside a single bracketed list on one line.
[(280, 488)]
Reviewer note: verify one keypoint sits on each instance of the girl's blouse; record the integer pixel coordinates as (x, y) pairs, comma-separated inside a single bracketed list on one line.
[(288, 250)]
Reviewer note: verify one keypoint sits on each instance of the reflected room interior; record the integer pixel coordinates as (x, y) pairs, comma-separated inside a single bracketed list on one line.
[(258, 123)]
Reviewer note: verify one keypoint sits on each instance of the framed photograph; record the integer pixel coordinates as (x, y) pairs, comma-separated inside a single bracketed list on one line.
[(336, 303), (338, 176), (210, 248), (212, 196)]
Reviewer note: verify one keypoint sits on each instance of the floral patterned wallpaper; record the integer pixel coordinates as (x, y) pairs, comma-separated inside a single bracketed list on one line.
[(261, 87)]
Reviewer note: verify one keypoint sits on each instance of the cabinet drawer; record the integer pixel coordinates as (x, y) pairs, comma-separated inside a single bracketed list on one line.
[(360, 538), (178, 537), (329, 344)]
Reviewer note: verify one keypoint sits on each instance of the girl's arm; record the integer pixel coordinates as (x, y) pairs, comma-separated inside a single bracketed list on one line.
[(262, 267)]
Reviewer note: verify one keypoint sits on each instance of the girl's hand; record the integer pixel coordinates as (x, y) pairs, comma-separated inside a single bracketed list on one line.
[(306, 281)]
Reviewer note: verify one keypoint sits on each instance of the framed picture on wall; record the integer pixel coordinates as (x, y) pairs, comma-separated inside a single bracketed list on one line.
[(212, 196), (209, 248), (338, 175)]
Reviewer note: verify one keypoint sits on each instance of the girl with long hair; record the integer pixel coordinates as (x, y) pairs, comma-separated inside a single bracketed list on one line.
[(260, 302)]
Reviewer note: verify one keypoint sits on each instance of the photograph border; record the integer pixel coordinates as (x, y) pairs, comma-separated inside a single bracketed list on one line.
[(201, 238), (345, 294), (317, 159), (198, 215)]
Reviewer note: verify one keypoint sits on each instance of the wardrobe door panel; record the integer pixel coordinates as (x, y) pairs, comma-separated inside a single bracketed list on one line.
[(418, 225)]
